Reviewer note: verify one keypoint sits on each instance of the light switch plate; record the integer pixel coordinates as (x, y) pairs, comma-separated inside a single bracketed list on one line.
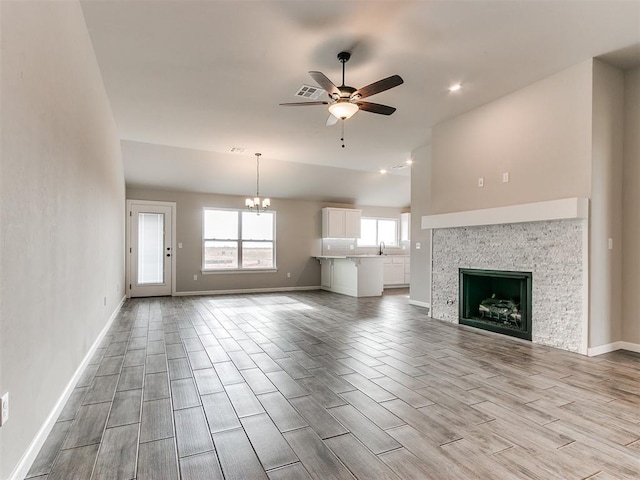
[(417, 245), (481, 182)]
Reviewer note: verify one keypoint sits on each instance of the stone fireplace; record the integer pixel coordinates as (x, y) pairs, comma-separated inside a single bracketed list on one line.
[(544, 244)]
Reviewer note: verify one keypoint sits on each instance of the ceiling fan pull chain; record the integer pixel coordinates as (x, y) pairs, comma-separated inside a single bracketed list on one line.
[(342, 138)]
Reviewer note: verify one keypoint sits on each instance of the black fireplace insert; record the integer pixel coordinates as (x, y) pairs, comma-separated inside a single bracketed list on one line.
[(496, 300)]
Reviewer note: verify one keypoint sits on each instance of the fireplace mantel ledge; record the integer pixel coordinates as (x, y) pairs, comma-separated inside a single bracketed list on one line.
[(566, 208)]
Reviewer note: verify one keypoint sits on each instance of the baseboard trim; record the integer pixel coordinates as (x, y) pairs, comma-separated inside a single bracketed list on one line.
[(420, 304), (247, 290), (29, 456), (612, 347)]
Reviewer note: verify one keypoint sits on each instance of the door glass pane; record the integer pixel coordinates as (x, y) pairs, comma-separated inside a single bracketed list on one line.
[(257, 254), (220, 254), (150, 248), (387, 231)]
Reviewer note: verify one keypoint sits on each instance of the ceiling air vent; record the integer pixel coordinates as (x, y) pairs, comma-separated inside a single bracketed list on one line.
[(306, 91)]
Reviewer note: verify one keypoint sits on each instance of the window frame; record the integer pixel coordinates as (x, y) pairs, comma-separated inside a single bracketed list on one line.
[(239, 241), (378, 219)]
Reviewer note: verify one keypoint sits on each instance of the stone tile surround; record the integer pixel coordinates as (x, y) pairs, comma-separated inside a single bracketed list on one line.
[(552, 250)]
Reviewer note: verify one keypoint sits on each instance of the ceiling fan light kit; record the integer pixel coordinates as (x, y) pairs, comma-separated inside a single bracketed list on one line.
[(343, 109)]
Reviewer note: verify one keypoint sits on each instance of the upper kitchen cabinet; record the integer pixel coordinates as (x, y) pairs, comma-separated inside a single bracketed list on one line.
[(341, 222)]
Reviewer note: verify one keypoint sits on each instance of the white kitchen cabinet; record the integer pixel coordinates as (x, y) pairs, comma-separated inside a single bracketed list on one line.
[(326, 274), (407, 270), (396, 270), (341, 222), (356, 276)]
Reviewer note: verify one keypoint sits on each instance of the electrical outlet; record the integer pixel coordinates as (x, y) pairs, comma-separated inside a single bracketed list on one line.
[(481, 182), (5, 409), (417, 245), (611, 244), (505, 177), (179, 244), (351, 247), (288, 274), (328, 247), (195, 277)]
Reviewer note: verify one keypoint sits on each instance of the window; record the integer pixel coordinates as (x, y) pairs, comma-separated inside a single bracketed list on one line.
[(376, 230), (237, 240)]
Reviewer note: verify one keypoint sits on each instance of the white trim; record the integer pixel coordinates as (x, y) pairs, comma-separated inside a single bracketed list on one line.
[(566, 208), (247, 290), (612, 347), (420, 304), (29, 456)]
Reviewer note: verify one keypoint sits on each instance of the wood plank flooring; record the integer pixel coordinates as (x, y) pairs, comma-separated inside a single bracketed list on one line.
[(322, 386)]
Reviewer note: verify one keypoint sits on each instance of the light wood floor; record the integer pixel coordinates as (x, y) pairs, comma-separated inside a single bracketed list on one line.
[(319, 385)]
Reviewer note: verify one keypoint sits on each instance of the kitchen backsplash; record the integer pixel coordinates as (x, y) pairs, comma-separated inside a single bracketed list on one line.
[(347, 246)]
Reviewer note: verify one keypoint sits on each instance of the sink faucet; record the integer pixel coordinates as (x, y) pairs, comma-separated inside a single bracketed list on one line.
[(382, 245)]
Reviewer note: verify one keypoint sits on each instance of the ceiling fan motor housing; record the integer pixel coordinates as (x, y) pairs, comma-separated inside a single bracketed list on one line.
[(344, 56)]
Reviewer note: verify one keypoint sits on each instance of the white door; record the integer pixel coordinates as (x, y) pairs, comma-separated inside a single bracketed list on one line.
[(150, 249)]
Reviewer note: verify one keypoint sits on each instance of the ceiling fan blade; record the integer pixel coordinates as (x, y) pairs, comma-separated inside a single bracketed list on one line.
[(379, 86), (303, 104), (331, 121), (322, 80), (376, 108)]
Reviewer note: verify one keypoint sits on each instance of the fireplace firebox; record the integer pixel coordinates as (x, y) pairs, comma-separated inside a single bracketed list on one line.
[(496, 300)]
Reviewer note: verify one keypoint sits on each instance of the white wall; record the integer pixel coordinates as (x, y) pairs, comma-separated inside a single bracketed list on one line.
[(630, 209), (540, 134), (605, 265), (61, 211)]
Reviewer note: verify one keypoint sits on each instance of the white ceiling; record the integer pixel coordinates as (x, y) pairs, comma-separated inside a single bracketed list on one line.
[(209, 75)]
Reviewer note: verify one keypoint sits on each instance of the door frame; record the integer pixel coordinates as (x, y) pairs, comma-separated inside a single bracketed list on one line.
[(130, 203)]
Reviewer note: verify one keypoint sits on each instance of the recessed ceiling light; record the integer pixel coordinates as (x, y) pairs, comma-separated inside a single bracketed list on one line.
[(455, 88), (383, 171)]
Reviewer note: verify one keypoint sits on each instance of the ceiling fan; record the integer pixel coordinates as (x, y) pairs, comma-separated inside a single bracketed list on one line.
[(345, 101)]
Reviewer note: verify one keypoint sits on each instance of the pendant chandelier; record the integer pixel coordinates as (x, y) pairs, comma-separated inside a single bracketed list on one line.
[(256, 203)]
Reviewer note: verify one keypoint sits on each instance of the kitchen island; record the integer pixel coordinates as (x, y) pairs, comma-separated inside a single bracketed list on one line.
[(353, 275)]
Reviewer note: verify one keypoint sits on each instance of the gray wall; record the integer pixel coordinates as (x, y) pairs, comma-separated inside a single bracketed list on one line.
[(298, 238), (541, 135), (605, 219), (560, 137), (630, 208), (61, 212), (420, 289)]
